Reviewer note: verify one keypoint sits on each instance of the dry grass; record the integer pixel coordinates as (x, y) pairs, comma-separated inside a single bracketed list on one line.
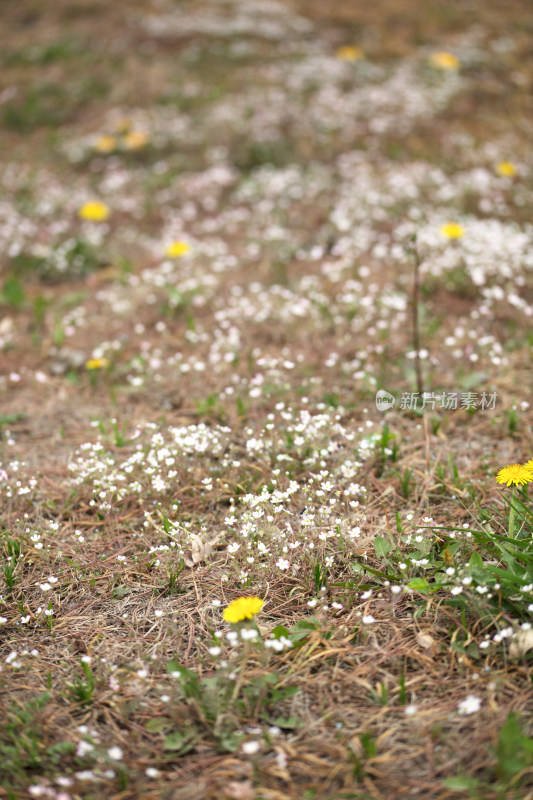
[(344, 731)]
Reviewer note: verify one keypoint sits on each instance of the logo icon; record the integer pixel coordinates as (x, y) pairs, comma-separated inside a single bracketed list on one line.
[(384, 400)]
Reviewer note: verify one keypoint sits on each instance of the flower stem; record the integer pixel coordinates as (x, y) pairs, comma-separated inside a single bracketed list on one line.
[(512, 515), (415, 302), (238, 682)]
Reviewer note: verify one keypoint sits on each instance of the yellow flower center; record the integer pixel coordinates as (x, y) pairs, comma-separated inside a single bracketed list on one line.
[(96, 363), (177, 249), (135, 140), (444, 60), (243, 608), (94, 211), (452, 230), (350, 53), (105, 144), (506, 169)]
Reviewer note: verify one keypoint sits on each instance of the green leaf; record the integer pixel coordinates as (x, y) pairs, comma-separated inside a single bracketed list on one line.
[(473, 379), (287, 723), (300, 630), (188, 679), (175, 740), (12, 293), (304, 626), (229, 741), (515, 749), (382, 546), (158, 724), (298, 636), (470, 650), (9, 419), (476, 561), (361, 569), (461, 783), (279, 631), (420, 585), (181, 742), (513, 564), (277, 695), (184, 673), (121, 591)]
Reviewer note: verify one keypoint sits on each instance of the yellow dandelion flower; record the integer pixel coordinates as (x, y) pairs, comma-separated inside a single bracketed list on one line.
[(243, 608), (177, 249), (94, 211), (350, 53), (506, 169), (515, 474), (134, 140), (96, 363), (452, 230), (105, 144), (444, 60)]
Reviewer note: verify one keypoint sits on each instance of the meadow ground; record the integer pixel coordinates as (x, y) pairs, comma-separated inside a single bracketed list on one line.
[(215, 218)]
